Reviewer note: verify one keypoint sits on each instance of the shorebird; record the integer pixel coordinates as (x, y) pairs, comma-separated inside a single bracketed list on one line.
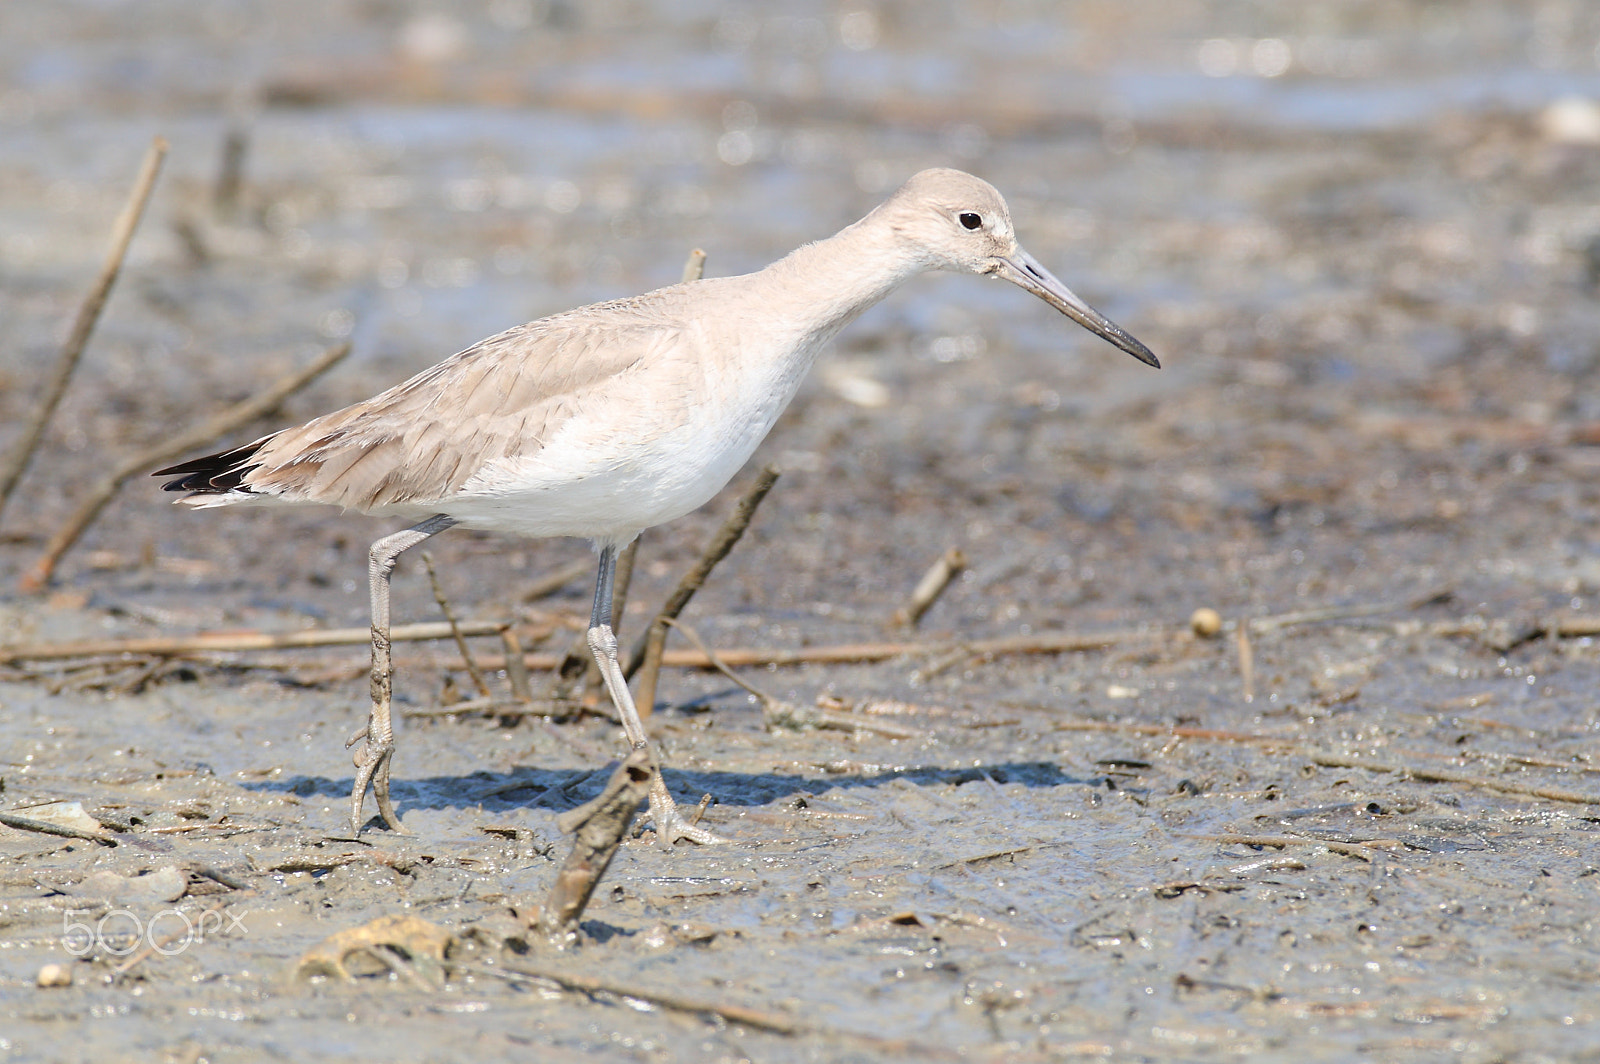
[(603, 421)]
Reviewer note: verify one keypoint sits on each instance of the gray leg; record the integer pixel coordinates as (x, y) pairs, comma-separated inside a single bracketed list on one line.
[(670, 824), (377, 738)]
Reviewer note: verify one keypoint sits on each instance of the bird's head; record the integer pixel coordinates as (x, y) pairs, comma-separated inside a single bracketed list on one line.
[(958, 222)]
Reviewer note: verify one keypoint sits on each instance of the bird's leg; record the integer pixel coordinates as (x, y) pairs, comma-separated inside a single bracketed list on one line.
[(670, 824), (377, 738)]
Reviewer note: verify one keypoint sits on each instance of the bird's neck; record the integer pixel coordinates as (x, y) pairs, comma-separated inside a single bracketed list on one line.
[(825, 285)]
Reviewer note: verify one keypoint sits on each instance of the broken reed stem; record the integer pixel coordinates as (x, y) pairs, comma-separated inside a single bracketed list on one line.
[(1345, 613), (716, 662), (598, 827), (497, 707), (523, 970), (736, 657), (516, 667), (45, 827), (236, 416), (94, 302), (929, 588), (647, 652), (1331, 760), (1280, 841), (780, 714), (847, 653), (455, 630), (204, 642), (1570, 627), (186, 929), (230, 174), (694, 267), (1247, 666), (1159, 731), (1439, 775), (588, 984)]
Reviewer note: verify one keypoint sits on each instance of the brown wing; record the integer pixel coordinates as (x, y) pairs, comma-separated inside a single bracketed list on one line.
[(421, 440)]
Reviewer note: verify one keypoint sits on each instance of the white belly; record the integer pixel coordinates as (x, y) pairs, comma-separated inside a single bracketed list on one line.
[(643, 454)]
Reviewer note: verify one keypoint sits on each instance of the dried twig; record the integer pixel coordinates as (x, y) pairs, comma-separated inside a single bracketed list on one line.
[(509, 708), (1571, 627), (521, 970), (588, 984), (45, 827), (1346, 613), (230, 419), (216, 875), (247, 640), (1280, 841), (21, 455), (516, 666), (929, 588), (142, 675), (1048, 642), (836, 654), (826, 716), (1439, 775), (1159, 731), (647, 652), (455, 631), (829, 713), (598, 828), (1332, 760), (230, 173), (1247, 666), (322, 862), (718, 664), (185, 929)]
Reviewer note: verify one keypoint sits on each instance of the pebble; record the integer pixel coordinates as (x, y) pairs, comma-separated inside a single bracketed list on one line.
[(54, 975), (1206, 622)]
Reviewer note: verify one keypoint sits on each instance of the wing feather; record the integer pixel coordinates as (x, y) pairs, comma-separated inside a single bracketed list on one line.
[(420, 441)]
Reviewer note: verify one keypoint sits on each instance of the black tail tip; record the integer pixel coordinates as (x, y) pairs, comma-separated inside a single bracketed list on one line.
[(214, 474)]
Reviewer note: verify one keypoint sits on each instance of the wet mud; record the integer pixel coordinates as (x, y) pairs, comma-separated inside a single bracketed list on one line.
[(1363, 245)]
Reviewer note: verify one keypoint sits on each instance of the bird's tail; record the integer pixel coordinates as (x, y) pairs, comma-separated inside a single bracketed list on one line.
[(216, 479)]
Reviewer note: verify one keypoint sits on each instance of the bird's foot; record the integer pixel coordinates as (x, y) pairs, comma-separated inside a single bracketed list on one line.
[(372, 769), (672, 825)]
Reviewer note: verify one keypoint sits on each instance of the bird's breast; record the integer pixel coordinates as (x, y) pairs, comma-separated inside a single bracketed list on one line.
[(656, 445)]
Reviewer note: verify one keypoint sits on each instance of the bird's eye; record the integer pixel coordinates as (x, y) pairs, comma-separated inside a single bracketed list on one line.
[(970, 220)]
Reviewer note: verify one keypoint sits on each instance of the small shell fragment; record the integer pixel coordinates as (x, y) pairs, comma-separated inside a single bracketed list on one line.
[(1206, 622), (54, 975)]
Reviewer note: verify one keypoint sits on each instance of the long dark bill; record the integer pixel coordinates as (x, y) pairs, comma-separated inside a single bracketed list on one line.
[(1024, 271)]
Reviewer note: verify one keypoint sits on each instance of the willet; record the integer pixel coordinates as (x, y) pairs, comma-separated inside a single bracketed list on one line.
[(606, 420)]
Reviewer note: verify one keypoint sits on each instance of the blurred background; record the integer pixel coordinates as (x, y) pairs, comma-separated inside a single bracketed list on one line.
[(1363, 238)]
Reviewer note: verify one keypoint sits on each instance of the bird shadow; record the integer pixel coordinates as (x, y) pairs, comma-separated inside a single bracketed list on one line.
[(558, 790)]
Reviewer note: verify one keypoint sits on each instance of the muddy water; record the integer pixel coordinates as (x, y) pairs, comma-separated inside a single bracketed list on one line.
[(1362, 242)]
